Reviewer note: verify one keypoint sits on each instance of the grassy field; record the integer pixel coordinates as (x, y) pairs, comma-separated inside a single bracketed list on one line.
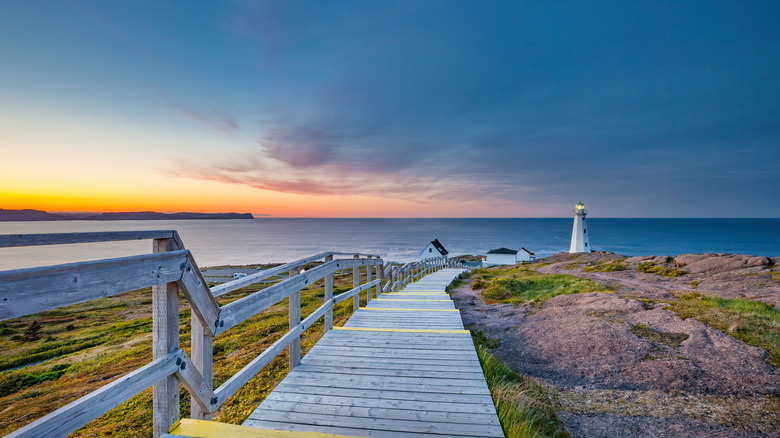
[(85, 346), (521, 284)]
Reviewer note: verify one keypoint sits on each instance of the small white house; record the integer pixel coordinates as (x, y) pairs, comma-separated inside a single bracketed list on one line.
[(501, 256), (433, 249), (525, 256)]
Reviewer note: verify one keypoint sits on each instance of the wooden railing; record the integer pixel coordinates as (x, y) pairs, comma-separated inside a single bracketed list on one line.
[(169, 269)]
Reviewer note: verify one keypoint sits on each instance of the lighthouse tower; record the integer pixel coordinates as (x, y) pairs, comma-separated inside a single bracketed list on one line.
[(579, 234)]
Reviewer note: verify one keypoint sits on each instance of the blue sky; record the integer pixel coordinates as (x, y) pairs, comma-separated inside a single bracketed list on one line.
[(408, 108)]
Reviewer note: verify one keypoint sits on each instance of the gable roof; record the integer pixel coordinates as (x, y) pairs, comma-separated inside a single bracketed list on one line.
[(529, 252), (502, 251), (439, 247)]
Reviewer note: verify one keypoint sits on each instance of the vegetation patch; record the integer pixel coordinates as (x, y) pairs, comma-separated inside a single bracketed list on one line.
[(617, 265), (523, 406), (652, 268), (752, 322), (521, 285), (695, 283), (659, 337)]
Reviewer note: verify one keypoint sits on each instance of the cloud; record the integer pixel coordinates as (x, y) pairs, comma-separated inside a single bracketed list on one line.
[(222, 122)]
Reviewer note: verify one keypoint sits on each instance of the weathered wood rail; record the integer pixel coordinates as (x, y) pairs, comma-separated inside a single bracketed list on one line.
[(169, 269)]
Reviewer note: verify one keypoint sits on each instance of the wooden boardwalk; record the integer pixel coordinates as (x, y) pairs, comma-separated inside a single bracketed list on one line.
[(401, 367)]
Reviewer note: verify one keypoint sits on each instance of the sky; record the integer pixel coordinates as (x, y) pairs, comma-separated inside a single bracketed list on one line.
[(417, 108)]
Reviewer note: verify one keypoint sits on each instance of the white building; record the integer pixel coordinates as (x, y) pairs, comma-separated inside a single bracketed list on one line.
[(501, 256), (525, 256), (433, 249), (579, 234)]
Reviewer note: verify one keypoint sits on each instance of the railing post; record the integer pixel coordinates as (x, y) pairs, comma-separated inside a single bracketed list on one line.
[(295, 319), (328, 296), (370, 290), (356, 283), (203, 360), (380, 275), (165, 339)]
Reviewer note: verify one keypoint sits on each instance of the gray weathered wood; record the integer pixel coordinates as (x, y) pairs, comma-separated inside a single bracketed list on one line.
[(33, 290), (200, 390), (203, 360), (328, 296), (355, 283), (202, 302), (294, 310), (16, 240), (165, 340), (73, 416)]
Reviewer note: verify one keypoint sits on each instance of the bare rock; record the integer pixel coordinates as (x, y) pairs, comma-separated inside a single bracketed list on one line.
[(718, 263), (610, 426), (587, 339)]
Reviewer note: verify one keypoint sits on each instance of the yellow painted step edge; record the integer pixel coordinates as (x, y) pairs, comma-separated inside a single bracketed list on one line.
[(410, 310), (212, 429), (367, 329)]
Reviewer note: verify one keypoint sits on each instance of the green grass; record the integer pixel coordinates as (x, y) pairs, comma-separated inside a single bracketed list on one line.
[(523, 407), (652, 268), (522, 285), (752, 322), (617, 265)]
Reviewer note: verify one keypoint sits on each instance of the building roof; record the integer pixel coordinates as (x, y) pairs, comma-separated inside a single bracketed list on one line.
[(502, 251), (439, 247), (529, 252)]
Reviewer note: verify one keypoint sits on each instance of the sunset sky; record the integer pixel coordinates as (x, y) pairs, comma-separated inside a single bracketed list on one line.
[(392, 108)]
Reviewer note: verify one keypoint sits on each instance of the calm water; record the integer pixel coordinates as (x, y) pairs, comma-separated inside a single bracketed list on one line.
[(278, 240)]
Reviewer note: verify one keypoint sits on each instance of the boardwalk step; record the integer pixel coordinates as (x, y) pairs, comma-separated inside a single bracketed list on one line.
[(188, 428)]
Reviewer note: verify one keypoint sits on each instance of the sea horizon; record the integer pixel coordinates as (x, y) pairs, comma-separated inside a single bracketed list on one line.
[(278, 240)]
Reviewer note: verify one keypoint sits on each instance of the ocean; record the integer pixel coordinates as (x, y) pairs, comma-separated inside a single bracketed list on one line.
[(266, 240)]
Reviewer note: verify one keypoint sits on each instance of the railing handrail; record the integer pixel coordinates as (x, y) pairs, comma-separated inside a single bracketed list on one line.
[(172, 264)]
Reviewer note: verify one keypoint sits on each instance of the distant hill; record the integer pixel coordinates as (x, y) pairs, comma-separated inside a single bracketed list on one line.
[(38, 215), (30, 215)]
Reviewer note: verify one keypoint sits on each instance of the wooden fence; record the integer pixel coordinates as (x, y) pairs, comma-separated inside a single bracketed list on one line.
[(169, 269)]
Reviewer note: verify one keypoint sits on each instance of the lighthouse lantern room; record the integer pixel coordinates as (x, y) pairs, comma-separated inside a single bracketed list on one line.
[(579, 234)]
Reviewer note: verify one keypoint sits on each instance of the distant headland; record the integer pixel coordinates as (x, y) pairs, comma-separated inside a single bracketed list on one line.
[(38, 215)]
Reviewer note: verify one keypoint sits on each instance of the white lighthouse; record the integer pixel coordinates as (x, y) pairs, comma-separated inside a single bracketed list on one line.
[(579, 234)]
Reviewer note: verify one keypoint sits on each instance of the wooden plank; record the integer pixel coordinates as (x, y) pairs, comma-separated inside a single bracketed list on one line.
[(370, 423), (294, 313), (383, 394), (328, 322), (165, 340), (355, 284), (27, 291), (16, 240), (399, 330), (227, 389), (411, 383), (302, 428), (203, 361), (200, 390), (376, 372), (377, 402), (388, 366), (403, 413), (203, 304), (352, 292), (193, 428), (73, 416)]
